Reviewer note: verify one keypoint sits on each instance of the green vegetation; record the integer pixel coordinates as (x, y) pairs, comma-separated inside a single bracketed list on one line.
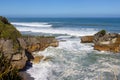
[(8, 31), (7, 72), (103, 32)]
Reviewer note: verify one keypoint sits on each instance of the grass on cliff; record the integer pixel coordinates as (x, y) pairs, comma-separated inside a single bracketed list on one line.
[(8, 31), (7, 72)]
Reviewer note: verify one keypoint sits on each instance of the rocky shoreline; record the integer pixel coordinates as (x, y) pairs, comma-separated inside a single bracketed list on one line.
[(104, 41), (17, 48)]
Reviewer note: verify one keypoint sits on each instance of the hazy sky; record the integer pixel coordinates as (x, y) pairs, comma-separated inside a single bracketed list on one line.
[(60, 8)]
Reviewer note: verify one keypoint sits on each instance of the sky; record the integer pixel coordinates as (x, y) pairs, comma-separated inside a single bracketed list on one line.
[(60, 8)]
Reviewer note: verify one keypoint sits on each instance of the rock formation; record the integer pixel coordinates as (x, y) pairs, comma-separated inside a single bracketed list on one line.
[(17, 48), (104, 41), (87, 39), (107, 42)]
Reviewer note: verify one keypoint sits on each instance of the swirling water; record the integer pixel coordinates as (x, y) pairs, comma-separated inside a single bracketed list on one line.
[(72, 60)]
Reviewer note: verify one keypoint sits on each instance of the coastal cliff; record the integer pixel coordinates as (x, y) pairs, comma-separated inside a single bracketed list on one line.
[(104, 41), (16, 48)]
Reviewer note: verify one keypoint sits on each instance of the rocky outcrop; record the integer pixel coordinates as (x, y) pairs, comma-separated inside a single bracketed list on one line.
[(113, 48), (107, 42), (87, 39), (107, 38), (39, 43), (17, 56), (37, 59), (104, 41), (17, 48)]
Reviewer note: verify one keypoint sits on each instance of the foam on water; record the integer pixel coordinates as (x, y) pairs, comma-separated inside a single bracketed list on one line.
[(33, 24), (73, 60), (71, 32), (41, 71), (42, 27)]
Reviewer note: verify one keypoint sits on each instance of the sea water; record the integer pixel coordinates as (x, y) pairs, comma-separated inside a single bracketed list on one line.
[(72, 60)]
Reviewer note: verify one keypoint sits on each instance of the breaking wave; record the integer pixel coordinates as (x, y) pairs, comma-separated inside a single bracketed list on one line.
[(72, 32), (33, 24), (73, 60)]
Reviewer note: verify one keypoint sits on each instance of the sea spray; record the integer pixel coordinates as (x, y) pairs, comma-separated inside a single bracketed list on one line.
[(73, 60)]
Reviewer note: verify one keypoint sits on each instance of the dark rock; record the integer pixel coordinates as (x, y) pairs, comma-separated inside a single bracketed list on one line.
[(4, 20), (25, 76)]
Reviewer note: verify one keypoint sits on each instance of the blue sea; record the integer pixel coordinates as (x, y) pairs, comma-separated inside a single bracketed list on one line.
[(72, 60), (68, 26)]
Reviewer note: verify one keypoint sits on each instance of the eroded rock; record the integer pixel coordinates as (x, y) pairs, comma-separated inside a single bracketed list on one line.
[(87, 39), (104, 41), (17, 48), (37, 59)]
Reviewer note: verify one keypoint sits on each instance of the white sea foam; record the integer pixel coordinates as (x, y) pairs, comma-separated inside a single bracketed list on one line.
[(41, 71), (71, 32), (47, 28), (68, 60), (70, 57), (33, 24)]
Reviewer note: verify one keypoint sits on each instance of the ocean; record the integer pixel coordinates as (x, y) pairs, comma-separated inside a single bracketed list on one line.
[(72, 60)]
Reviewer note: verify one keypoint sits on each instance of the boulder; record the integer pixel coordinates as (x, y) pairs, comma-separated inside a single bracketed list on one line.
[(112, 48), (40, 43), (101, 48), (104, 41), (17, 57), (107, 42), (19, 60), (87, 39), (54, 43), (33, 48), (37, 59), (104, 37)]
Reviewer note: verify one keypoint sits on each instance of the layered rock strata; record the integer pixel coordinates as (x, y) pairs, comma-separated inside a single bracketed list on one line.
[(104, 41)]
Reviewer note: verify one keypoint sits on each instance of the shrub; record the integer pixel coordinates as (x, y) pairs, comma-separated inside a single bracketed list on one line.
[(103, 32), (7, 30)]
